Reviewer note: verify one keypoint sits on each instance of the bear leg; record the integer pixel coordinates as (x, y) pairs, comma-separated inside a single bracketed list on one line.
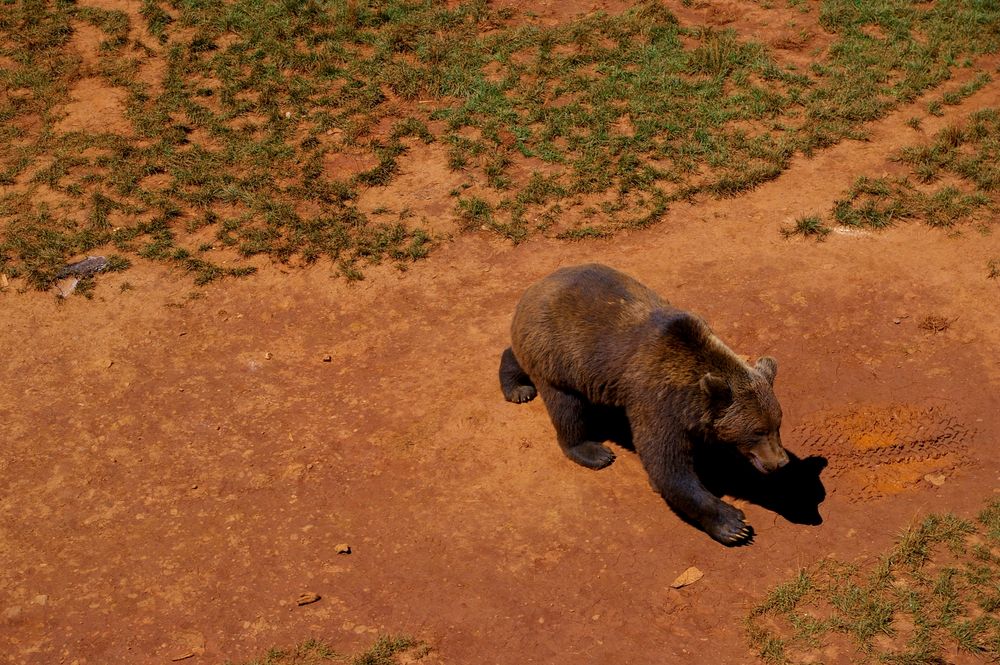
[(567, 412), (515, 383), (666, 453), (723, 522)]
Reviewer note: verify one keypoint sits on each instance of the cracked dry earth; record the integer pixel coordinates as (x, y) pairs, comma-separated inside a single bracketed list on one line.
[(174, 477)]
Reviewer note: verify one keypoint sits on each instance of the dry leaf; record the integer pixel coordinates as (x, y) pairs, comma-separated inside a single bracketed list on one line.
[(689, 576)]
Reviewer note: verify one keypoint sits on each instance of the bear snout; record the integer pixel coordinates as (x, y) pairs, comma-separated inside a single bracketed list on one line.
[(769, 457)]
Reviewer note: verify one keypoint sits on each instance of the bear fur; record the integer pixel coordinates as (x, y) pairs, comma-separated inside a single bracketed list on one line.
[(589, 337)]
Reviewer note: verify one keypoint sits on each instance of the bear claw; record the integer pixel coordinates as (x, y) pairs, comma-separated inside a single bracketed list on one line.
[(522, 394), (731, 529), (743, 535)]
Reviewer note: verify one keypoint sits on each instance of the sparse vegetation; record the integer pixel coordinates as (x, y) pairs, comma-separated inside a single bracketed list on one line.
[(233, 115), (935, 590), (967, 154), (808, 226), (960, 94), (385, 651), (873, 203)]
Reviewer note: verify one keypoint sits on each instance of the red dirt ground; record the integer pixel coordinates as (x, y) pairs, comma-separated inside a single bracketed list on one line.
[(177, 471)]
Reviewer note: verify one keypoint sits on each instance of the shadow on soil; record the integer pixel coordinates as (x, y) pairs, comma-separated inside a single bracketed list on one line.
[(795, 491)]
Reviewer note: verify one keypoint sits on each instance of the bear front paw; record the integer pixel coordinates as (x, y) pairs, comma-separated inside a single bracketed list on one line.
[(730, 528)]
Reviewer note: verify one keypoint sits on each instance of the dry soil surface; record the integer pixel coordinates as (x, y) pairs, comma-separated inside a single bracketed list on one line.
[(177, 471)]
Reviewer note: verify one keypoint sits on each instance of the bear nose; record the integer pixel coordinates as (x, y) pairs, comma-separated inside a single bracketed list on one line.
[(782, 460)]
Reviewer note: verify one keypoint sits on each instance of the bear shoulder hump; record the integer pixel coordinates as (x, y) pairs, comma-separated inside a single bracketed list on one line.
[(680, 325)]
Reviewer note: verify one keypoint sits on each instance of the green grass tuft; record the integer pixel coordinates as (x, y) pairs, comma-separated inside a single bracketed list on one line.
[(385, 651), (475, 212), (967, 152), (808, 226), (934, 591)]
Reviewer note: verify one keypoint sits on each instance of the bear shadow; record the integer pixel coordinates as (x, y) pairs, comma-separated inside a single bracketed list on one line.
[(794, 491)]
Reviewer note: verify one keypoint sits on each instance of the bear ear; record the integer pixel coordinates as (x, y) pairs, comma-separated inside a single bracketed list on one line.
[(768, 367), (716, 388)]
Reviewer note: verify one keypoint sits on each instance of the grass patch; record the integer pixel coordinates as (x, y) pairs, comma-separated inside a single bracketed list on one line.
[(234, 111), (385, 651), (807, 226), (873, 203), (966, 154), (960, 94), (934, 592), (877, 203)]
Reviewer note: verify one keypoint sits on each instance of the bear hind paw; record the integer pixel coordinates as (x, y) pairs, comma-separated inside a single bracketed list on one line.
[(520, 394)]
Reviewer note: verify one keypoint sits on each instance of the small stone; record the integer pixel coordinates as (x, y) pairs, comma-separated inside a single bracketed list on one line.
[(897, 320), (268, 355), (689, 576), (195, 486), (307, 598), (327, 358), (84, 268), (935, 479), (342, 548), (288, 114)]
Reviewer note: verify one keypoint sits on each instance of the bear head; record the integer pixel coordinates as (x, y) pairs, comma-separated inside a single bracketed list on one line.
[(745, 413)]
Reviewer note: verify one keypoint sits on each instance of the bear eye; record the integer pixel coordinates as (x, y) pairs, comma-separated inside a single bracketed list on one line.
[(760, 432)]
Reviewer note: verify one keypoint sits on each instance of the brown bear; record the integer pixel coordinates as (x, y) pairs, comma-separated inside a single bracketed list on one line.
[(589, 337)]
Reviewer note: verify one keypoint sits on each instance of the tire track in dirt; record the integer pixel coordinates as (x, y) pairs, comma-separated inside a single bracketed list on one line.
[(877, 451)]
